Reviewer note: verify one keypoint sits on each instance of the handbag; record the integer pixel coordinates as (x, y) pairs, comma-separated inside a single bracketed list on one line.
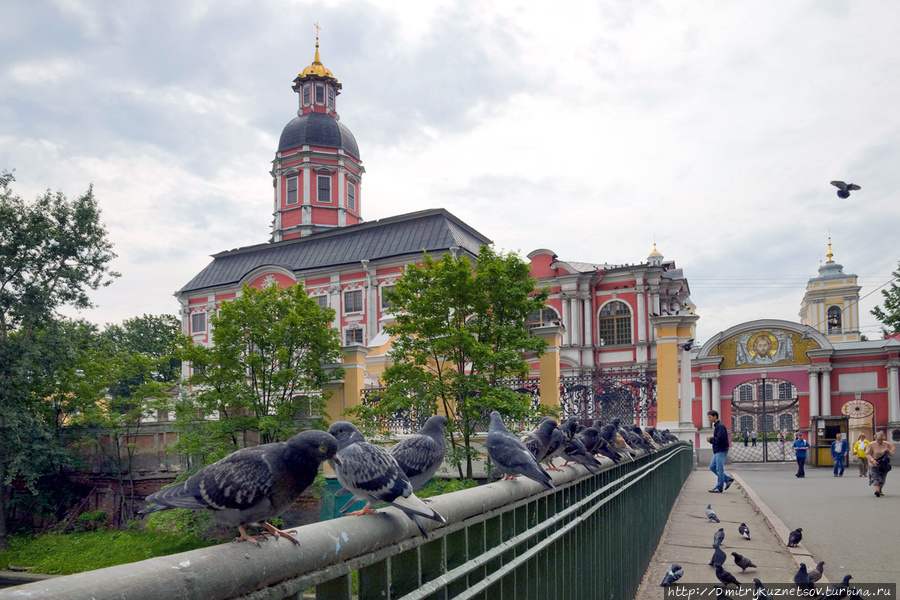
[(885, 463)]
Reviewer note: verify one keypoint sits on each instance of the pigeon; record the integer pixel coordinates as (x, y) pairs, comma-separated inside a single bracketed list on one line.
[(744, 531), (420, 455), (718, 537), (372, 474), (672, 575), (510, 456), (844, 189), (576, 452), (591, 439), (795, 537), (759, 592), (569, 428), (538, 441), (718, 557), (603, 448), (840, 590), (801, 578), (816, 574), (252, 485), (725, 577), (710, 514), (742, 561), (557, 447)]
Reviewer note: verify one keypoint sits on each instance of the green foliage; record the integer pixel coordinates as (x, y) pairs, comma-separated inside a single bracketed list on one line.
[(459, 332), (64, 554), (444, 486), (90, 520), (53, 252), (890, 314), (180, 522), (265, 369)]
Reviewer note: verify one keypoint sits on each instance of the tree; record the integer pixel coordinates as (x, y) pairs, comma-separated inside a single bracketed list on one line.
[(267, 364), (459, 333), (890, 314), (53, 251)]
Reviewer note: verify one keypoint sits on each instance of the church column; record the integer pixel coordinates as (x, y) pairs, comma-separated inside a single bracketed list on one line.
[(549, 364), (826, 392), (671, 332), (716, 399), (306, 209), (813, 393), (893, 391), (641, 310), (686, 383), (342, 196), (588, 320), (567, 320), (705, 391)]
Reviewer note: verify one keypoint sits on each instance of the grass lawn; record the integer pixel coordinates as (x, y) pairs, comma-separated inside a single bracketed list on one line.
[(63, 554)]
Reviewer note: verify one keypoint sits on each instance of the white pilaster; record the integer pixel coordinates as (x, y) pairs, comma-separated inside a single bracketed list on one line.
[(716, 399), (813, 393), (826, 392), (893, 391)]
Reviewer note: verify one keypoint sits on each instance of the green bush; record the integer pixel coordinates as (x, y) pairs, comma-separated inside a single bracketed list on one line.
[(90, 520), (445, 486)]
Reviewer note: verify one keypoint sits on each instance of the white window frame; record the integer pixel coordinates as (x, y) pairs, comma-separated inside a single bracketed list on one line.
[(197, 316), (320, 87), (307, 94), (319, 179), (357, 332), (349, 310), (351, 195), (296, 191)]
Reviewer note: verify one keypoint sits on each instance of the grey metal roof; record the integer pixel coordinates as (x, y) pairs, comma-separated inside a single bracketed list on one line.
[(317, 129), (434, 231)]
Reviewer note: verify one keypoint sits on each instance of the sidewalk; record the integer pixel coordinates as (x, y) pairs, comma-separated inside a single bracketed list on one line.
[(687, 539)]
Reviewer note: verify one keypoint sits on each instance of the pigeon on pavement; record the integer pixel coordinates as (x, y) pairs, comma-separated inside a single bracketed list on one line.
[(844, 189), (252, 485), (718, 557), (744, 531), (372, 474), (510, 456), (725, 577), (421, 455), (840, 590), (742, 561), (760, 592), (795, 537), (719, 537), (710, 514), (538, 441), (816, 574), (801, 578), (672, 575)]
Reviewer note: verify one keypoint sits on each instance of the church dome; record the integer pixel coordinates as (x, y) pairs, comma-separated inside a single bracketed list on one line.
[(318, 129)]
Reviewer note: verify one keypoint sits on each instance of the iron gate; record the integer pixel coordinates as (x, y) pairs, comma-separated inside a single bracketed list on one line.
[(765, 413), (604, 394)]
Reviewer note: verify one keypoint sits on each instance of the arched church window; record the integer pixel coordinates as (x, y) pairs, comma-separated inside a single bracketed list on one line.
[(745, 393), (785, 390), (834, 319), (615, 323)]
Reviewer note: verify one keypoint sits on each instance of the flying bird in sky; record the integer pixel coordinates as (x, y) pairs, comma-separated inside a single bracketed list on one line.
[(252, 485), (372, 474), (672, 575), (795, 537), (844, 189), (421, 455), (510, 456)]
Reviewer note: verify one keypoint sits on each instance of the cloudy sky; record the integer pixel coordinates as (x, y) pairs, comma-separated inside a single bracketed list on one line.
[(593, 129)]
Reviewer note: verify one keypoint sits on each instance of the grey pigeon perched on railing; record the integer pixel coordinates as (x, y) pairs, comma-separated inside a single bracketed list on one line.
[(510, 456), (673, 574), (744, 531), (538, 441), (252, 485), (557, 447), (710, 514), (421, 455), (372, 474), (576, 452)]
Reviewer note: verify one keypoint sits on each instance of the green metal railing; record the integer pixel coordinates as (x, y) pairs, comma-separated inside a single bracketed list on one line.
[(591, 537)]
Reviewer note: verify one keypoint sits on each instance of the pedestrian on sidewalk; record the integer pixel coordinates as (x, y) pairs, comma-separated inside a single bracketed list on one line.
[(839, 451), (860, 449), (879, 453), (746, 437), (781, 440), (719, 441), (753, 436), (800, 447)]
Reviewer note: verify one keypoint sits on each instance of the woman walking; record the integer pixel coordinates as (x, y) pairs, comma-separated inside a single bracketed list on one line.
[(879, 453), (859, 448)]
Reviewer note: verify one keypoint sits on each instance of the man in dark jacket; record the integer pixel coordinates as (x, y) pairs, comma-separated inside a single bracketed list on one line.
[(719, 441)]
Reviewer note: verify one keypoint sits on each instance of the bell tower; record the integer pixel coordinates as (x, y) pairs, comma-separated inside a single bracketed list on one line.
[(831, 302), (317, 171)]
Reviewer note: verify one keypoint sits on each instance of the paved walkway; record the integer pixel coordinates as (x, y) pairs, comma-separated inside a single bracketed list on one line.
[(843, 523)]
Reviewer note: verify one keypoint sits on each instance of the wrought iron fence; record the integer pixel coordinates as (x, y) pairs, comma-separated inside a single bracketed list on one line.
[(590, 537), (624, 393)]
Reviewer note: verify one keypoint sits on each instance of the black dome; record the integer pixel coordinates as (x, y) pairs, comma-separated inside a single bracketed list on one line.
[(317, 129)]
